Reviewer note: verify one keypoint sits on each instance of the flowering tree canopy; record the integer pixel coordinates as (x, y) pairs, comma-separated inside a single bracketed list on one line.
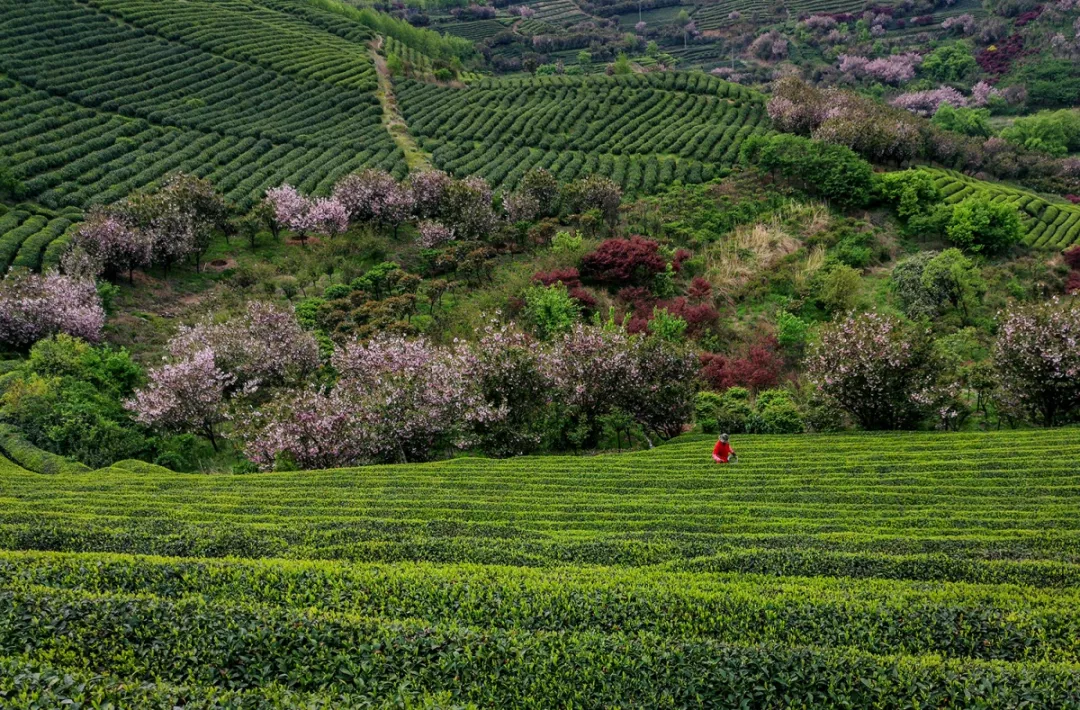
[(35, 306), (873, 367), (1037, 356), (116, 245), (185, 396), (264, 345)]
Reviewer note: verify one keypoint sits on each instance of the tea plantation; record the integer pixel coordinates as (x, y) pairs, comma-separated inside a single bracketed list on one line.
[(858, 571)]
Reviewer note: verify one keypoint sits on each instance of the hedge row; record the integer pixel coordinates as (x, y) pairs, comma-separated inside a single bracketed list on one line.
[(625, 128), (117, 108), (242, 646), (14, 446), (960, 621), (275, 40), (976, 498)]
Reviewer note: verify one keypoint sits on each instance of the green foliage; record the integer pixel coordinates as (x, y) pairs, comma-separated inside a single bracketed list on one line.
[(840, 288), (550, 309), (68, 399), (791, 331), (950, 62), (969, 121), (707, 408), (1053, 132), (913, 192), (622, 67), (1050, 82), (775, 412), (833, 172), (950, 279), (566, 243), (976, 224), (667, 327), (733, 414)]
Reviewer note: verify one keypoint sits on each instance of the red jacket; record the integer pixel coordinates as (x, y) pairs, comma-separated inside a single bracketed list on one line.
[(721, 452)]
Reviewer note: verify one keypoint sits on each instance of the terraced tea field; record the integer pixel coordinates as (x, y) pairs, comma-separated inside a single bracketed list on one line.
[(101, 99), (881, 571), (34, 238), (642, 131), (1051, 226)]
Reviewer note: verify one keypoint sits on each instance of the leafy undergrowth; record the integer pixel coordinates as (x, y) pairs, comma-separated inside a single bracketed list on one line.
[(821, 571)]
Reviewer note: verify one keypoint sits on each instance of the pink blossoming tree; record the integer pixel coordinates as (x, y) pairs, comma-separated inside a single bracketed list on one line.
[(34, 306), (1037, 356)]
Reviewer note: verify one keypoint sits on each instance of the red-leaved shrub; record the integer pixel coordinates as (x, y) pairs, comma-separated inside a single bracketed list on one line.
[(1072, 257), (569, 277), (1073, 283), (760, 368), (623, 261)]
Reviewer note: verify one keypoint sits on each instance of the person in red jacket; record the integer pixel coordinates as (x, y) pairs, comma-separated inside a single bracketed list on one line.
[(722, 452)]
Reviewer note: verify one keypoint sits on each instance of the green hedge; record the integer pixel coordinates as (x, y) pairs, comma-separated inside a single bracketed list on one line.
[(18, 449)]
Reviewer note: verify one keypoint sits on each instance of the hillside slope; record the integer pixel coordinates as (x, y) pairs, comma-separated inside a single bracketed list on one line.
[(908, 551)]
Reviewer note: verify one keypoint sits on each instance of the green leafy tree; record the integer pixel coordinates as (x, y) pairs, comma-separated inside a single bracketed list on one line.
[(1053, 132), (833, 172), (950, 278), (979, 224), (912, 191), (550, 309), (67, 398), (622, 67), (950, 62), (969, 121), (840, 289), (667, 327), (791, 332)]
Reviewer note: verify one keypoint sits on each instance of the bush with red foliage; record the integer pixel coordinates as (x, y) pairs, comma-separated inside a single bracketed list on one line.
[(923, 20), (759, 369), (585, 299), (999, 61), (840, 16), (569, 277), (680, 256), (1072, 257), (700, 290), (699, 318), (1027, 17), (623, 261), (1075, 199), (1073, 284)]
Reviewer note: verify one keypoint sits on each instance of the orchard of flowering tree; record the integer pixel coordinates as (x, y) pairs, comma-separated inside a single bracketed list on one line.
[(569, 354)]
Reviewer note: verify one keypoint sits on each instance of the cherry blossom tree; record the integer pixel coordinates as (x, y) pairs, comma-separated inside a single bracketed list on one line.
[(291, 209), (34, 306), (329, 217), (873, 367), (188, 395), (428, 189), (263, 346), (595, 192), (926, 103), (365, 193), (311, 428), (506, 366), (894, 69), (466, 208), (434, 234), (1037, 356), (116, 245), (412, 398)]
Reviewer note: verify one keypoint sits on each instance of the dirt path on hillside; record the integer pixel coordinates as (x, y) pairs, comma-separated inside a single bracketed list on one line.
[(415, 157)]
